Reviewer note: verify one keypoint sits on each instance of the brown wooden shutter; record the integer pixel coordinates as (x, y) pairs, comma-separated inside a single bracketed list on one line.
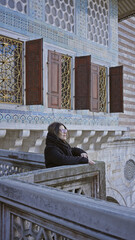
[(82, 82), (34, 75), (54, 79), (116, 89), (94, 88)]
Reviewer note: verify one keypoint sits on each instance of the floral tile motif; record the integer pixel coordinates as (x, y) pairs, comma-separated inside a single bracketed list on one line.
[(42, 118)]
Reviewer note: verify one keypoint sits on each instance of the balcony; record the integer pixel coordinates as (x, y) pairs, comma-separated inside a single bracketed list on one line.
[(42, 204)]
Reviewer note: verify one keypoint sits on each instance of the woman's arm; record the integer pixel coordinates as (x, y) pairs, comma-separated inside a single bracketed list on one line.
[(77, 151), (82, 153), (55, 157)]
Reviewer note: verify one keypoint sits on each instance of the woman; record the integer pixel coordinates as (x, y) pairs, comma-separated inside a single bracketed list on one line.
[(58, 152)]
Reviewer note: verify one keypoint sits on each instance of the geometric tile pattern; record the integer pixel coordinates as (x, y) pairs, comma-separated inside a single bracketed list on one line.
[(35, 26), (60, 14), (17, 5), (81, 19), (32, 117), (97, 16), (37, 9)]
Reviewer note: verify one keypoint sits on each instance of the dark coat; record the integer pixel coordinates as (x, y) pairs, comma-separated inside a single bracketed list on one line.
[(58, 153)]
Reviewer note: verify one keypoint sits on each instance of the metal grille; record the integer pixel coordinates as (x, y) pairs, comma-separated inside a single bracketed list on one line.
[(10, 70), (102, 89), (66, 82)]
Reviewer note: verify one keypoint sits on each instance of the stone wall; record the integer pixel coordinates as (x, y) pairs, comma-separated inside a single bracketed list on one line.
[(119, 157), (127, 59), (31, 210), (84, 179)]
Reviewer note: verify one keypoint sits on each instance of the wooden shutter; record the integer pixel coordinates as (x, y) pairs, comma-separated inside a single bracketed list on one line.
[(116, 89), (54, 79), (94, 88), (34, 75), (82, 82)]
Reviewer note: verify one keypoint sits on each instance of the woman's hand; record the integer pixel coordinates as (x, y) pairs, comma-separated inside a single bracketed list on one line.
[(84, 155), (91, 162)]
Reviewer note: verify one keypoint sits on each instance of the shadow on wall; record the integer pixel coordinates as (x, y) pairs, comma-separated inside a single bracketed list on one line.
[(110, 199)]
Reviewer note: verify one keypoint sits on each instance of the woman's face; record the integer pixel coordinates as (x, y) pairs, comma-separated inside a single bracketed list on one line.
[(62, 133)]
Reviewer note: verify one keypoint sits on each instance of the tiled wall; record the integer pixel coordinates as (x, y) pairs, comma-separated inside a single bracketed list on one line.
[(41, 118), (28, 18)]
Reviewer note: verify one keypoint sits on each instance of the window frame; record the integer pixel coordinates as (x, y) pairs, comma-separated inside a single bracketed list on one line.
[(23, 39), (48, 47)]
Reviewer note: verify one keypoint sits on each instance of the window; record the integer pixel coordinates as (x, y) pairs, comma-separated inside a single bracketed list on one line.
[(102, 89), (90, 79), (116, 89), (10, 70), (34, 72), (90, 86), (82, 82), (65, 82), (98, 88), (11, 54), (59, 80)]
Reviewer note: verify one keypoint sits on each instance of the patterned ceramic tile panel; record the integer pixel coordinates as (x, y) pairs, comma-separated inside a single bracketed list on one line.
[(81, 18), (33, 24), (17, 5), (36, 9), (31, 117), (60, 14), (98, 21)]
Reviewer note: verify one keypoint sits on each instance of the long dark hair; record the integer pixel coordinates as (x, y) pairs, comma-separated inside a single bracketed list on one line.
[(54, 128)]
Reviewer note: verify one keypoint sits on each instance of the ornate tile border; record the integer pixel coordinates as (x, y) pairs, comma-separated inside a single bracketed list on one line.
[(42, 118)]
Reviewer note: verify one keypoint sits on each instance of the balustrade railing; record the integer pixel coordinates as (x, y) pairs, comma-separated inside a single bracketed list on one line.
[(81, 179), (37, 205), (12, 162)]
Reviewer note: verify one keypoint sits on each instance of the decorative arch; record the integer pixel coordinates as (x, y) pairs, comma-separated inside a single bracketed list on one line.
[(115, 195)]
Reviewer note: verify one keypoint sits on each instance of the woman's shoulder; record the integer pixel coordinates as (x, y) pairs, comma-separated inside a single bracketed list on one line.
[(52, 148)]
